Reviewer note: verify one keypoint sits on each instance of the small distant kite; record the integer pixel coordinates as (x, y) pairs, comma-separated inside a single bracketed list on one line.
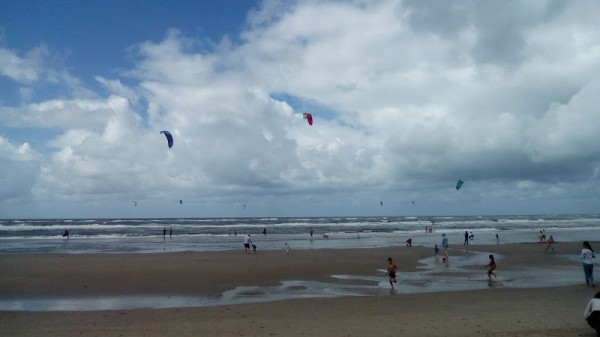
[(181, 201), (413, 202), (308, 117), (244, 206), (459, 184), (381, 203), (169, 138), (134, 203)]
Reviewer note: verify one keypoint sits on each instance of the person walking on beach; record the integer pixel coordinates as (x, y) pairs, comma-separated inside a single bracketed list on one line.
[(445, 245), (550, 244), (247, 243), (164, 233), (391, 272), (170, 232), (466, 239), (587, 256), (592, 313), (491, 266), (497, 239), (264, 231)]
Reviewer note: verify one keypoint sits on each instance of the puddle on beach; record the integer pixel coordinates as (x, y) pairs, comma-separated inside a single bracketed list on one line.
[(459, 274)]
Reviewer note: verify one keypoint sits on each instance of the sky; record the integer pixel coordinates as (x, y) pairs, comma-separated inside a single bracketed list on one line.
[(407, 97)]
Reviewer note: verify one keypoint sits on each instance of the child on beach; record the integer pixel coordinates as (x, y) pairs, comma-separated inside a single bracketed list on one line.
[(391, 272), (436, 253), (491, 267), (550, 244), (286, 248)]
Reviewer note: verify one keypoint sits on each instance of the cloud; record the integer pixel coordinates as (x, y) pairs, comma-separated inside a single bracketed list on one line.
[(18, 170), (407, 97), (25, 69)]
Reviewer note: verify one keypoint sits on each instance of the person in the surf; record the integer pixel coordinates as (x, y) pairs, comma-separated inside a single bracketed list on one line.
[(391, 272)]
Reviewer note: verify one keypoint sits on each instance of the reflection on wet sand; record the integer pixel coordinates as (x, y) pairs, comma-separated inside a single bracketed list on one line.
[(460, 274)]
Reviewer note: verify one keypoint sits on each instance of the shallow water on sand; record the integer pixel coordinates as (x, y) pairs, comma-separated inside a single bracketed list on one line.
[(460, 274)]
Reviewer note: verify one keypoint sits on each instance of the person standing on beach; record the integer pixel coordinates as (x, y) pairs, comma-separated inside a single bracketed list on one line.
[(466, 239), (491, 266), (311, 232), (247, 243), (391, 272), (543, 235), (436, 253), (170, 232), (587, 256), (164, 233), (445, 245), (264, 231)]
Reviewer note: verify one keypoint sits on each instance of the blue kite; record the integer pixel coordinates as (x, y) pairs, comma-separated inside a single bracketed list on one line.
[(169, 138)]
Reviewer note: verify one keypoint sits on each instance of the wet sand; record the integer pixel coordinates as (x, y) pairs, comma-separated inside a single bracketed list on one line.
[(494, 311)]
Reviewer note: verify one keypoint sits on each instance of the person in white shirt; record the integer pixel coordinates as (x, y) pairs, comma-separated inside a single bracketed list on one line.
[(247, 243), (587, 256), (592, 313)]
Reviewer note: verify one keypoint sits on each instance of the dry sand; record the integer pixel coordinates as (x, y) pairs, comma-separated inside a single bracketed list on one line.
[(556, 311)]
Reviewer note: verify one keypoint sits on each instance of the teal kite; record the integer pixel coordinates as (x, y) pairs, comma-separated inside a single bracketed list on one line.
[(459, 184)]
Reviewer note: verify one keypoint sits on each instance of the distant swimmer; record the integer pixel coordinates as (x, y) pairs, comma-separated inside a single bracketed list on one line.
[(66, 233)]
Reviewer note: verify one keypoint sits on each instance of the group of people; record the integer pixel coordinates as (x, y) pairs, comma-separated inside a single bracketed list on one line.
[(587, 256)]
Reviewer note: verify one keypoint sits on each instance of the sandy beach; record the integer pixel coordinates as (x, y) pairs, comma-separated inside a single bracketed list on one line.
[(495, 310)]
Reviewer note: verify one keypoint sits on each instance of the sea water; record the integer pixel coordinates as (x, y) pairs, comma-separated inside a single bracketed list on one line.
[(218, 234)]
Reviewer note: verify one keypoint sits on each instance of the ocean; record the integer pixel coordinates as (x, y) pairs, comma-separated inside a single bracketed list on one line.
[(218, 234)]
